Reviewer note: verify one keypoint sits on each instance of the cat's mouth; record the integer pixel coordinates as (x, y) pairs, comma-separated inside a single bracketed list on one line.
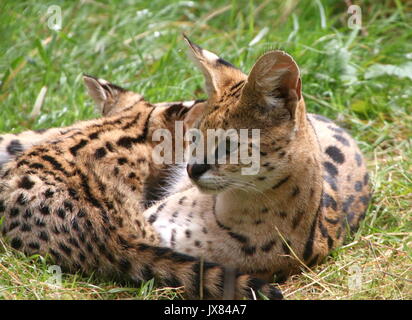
[(210, 185)]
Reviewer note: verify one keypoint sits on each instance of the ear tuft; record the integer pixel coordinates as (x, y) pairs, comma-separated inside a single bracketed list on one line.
[(218, 73)]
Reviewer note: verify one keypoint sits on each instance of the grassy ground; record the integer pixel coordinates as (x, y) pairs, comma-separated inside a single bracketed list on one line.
[(362, 79)]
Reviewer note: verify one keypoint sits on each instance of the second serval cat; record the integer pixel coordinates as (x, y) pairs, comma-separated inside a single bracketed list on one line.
[(79, 198), (312, 184), (109, 99)]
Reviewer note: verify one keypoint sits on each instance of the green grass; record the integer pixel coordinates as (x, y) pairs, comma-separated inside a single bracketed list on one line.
[(138, 45)]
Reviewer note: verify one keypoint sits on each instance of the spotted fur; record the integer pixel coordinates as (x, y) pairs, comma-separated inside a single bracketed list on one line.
[(312, 186), (79, 198), (109, 99)]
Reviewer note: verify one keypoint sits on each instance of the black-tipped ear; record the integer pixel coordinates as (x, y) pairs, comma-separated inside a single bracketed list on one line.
[(218, 73), (188, 111), (274, 80), (104, 93), (195, 114)]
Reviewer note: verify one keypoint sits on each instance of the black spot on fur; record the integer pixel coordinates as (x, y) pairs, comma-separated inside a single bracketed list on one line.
[(238, 237), (21, 200), (332, 221), (16, 243), (34, 245), (313, 261), (21, 163), (48, 193), (100, 153), (125, 142), (268, 246), (336, 129), (40, 131), (26, 183), (38, 222), (295, 191), (341, 139), (182, 199), (44, 209), (77, 147), (44, 236), (68, 205), (74, 242), (283, 214), (121, 161), (83, 258), (358, 186), (335, 154), (366, 179), (94, 135), (13, 225), (297, 218), (152, 218), (329, 202), (358, 159), (81, 213), (73, 194), (55, 254), (25, 227), (14, 212), (281, 182), (124, 265), (65, 249), (330, 168), (364, 200), (109, 147), (61, 213), (36, 165), (173, 238), (14, 147), (322, 118), (172, 281), (331, 181), (348, 202), (308, 250), (249, 250), (56, 165)]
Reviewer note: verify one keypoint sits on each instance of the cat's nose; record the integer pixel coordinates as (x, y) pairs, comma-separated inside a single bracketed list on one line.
[(196, 170)]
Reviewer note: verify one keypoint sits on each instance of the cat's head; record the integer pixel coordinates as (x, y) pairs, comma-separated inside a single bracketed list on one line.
[(269, 100)]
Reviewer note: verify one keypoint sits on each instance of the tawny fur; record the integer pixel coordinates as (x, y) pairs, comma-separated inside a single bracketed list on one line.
[(311, 189), (79, 198)]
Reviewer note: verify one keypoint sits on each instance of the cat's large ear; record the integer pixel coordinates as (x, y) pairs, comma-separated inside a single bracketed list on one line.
[(219, 74), (108, 97), (195, 113), (274, 81)]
